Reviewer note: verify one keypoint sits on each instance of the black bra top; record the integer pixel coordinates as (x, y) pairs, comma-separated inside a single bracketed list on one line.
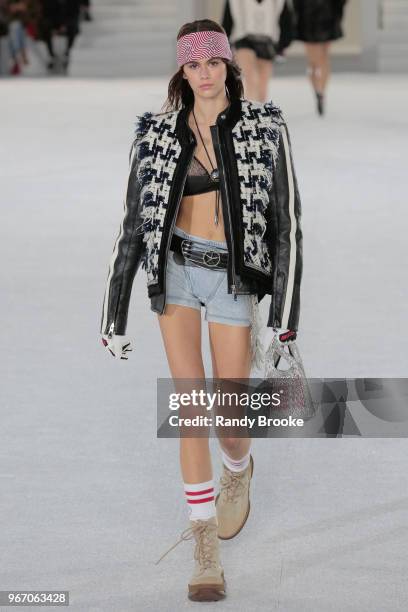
[(199, 179)]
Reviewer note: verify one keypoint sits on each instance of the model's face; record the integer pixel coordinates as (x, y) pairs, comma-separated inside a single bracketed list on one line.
[(206, 77)]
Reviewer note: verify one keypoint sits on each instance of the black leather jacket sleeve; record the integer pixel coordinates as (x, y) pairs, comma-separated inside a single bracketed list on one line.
[(126, 256), (286, 249)]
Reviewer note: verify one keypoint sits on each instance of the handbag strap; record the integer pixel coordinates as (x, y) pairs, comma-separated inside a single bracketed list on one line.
[(276, 352)]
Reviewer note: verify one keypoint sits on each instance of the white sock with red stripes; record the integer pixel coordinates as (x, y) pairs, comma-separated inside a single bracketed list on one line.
[(235, 465), (200, 500)]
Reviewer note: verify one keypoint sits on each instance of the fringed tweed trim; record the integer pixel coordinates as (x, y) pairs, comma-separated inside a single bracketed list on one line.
[(257, 348)]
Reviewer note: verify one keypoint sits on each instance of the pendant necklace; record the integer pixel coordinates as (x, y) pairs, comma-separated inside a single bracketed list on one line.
[(214, 176)]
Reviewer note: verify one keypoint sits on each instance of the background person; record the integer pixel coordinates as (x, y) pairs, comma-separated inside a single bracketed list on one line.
[(17, 12), (86, 14), (318, 22), (253, 27), (71, 10), (59, 17)]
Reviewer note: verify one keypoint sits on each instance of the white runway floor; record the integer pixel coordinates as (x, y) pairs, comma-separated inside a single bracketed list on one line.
[(89, 497)]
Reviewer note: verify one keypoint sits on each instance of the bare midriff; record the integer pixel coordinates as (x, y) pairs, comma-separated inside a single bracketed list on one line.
[(196, 212), (196, 216)]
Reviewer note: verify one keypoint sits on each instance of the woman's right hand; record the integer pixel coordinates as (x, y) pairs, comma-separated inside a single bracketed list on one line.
[(116, 345)]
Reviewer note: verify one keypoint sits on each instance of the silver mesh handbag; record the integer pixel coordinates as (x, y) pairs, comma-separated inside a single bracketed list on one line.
[(295, 394)]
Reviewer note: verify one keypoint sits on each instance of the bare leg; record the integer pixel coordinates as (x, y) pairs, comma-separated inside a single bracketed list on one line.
[(325, 64), (181, 331), (246, 60), (313, 55), (230, 354), (318, 70), (265, 69), (318, 58)]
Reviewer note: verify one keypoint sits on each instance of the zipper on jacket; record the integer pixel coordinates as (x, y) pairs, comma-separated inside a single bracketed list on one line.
[(111, 330), (233, 276), (173, 222)]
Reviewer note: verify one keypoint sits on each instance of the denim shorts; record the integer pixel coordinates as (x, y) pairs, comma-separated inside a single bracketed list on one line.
[(194, 286)]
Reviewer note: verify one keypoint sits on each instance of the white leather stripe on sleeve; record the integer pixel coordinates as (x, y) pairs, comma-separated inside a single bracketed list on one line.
[(292, 235), (132, 154), (115, 249)]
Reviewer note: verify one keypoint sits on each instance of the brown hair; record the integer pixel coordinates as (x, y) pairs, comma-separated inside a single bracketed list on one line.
[(179, 91)]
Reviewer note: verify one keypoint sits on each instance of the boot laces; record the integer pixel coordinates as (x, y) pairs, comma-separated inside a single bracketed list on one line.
[(232, 485), (203, 549), (200, 530)]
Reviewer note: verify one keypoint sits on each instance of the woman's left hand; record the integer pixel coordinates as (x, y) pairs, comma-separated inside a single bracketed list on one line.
[(116, 345)]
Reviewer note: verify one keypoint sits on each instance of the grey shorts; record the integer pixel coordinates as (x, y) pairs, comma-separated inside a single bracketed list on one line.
[(193, 286)]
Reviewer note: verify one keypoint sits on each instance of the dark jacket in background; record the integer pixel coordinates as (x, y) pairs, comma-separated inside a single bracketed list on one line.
[(318, 20), (287, 24), (58, 12)]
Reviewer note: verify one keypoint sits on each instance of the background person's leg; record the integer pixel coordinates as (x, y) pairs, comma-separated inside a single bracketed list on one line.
[(72, 31), (318, 70), (325, 64), (264, 68), (13, 42), (313, 55), (246, 60), (47, 37)]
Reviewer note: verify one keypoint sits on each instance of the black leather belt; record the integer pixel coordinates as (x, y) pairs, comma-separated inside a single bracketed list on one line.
[(194, 253)]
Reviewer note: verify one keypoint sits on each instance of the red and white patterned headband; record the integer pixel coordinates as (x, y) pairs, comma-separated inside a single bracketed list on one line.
[(198, 45)]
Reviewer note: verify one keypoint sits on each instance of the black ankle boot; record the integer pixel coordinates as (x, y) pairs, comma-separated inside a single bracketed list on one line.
[(320, 103)]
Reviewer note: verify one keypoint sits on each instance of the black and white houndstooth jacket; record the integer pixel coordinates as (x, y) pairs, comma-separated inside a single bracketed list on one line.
[(259, 196)]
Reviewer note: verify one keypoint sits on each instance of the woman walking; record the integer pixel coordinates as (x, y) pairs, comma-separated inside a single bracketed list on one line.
[(318, 24), (61, 18), (18, 12), (253, 28), (212, 212)]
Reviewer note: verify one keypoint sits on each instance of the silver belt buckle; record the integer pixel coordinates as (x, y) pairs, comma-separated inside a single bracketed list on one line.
[(211, 258)]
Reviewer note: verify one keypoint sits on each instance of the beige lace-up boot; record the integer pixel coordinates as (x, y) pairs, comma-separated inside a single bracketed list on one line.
[(232, 502), (207, 582)]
